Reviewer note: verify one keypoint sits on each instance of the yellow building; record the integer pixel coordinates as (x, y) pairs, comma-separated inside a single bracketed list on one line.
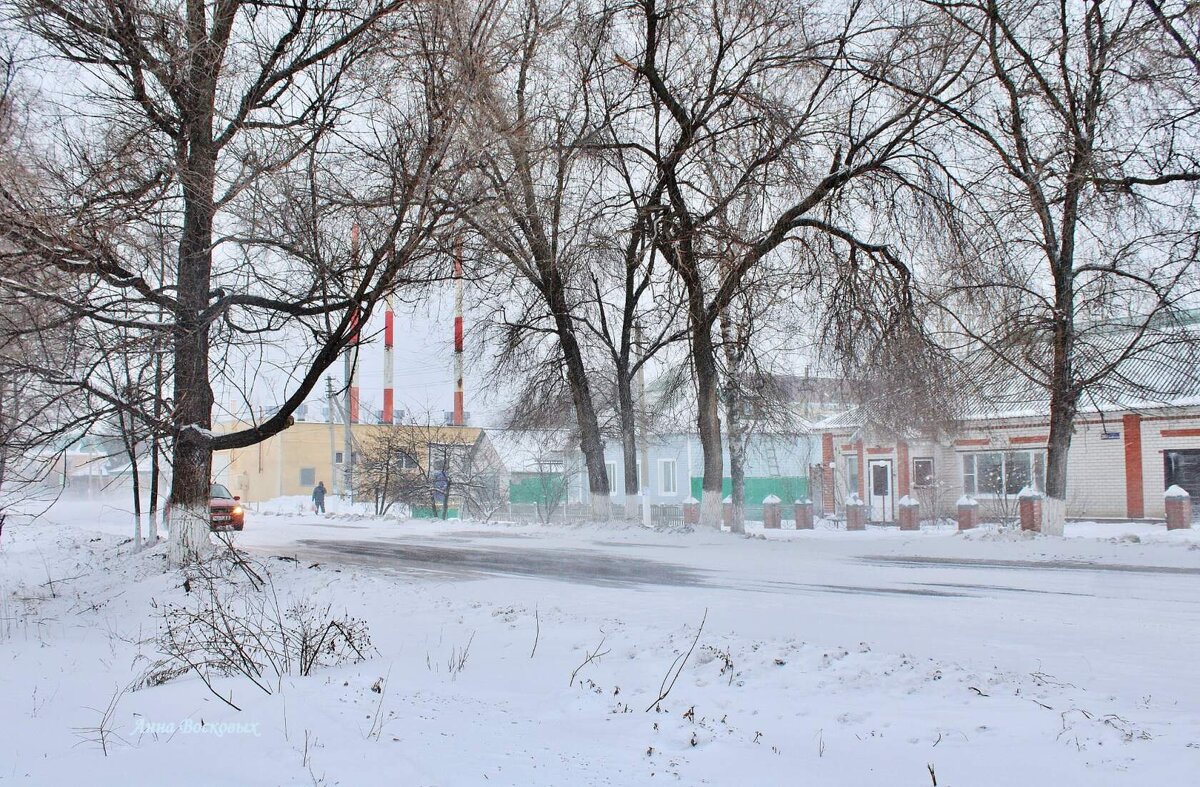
[(293, 461)]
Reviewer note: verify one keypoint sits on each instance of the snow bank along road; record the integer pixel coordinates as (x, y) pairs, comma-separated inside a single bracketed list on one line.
[(534, 656)]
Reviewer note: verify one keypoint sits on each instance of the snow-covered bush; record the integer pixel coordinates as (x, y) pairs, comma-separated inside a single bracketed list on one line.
[(235, 626)]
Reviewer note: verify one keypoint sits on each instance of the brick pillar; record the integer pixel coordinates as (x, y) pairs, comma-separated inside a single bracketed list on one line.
[(827, 482), (1179, 508), (727, 511), (862, 469), (968, 513), (691, 511), (903, 468), (1029, 504), (772, 515), (1135, 498), (910, 513), (804, 514), (856, 513)]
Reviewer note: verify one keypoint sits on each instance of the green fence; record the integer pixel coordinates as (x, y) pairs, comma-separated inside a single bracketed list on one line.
[(535, 489), (787, 488), (426, 512)]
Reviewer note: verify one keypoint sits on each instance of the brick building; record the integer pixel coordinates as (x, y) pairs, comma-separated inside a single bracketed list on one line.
[(1126, 450)]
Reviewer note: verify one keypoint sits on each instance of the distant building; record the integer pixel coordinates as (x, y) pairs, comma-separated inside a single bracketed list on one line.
[(292, 462), (1130, 444)]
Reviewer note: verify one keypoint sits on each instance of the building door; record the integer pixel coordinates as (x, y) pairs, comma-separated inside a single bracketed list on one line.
[(879, 490), (1182, 468)]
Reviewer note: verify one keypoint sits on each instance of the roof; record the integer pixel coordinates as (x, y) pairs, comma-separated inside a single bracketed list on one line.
[(527, 451), (1166, 374)]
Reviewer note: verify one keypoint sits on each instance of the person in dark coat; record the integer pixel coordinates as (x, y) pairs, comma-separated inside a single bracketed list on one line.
[(318, 497)]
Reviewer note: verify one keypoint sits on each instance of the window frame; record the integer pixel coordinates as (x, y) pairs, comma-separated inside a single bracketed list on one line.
[(664, 475), (1034, 458), (611, 469), (920, 481)]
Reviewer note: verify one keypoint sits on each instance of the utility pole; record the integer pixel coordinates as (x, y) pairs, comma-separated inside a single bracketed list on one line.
[(350, 411), (331, 406)]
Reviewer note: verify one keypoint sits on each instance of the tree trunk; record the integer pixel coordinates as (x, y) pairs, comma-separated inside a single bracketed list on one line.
[(5, 414), (155, 448), (591, 442), (734, 424), (1064, 397), (628, 421), (131, 451), (1063, 405), (193, 396), (737, 463), (708, 422)]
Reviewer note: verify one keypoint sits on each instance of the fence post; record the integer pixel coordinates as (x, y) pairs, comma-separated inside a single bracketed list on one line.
[(691, 511), (1029, 505), (727, 511), (804, 514), (1179, 508), (772, 515), (856, 513), (968, 513), (910, 513)]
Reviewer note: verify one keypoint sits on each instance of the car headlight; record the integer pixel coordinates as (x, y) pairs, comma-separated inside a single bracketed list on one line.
[(238, 511)]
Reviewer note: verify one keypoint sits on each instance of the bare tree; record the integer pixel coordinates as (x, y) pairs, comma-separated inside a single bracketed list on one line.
[(227, 127), (1074, 174), (536, 189), (428, 466), (768, 100)]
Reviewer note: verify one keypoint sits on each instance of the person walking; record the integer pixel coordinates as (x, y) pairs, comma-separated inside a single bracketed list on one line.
[(318, 497)]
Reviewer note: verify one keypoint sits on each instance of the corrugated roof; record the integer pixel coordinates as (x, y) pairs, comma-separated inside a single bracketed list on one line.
[(1164, 375)]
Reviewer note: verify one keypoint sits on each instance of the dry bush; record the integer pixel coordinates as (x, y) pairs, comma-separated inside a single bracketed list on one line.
[(233, 627)]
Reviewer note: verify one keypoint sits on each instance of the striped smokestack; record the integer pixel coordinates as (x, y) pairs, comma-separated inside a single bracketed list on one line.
[(389, 320), (352, 368), (458, 333)]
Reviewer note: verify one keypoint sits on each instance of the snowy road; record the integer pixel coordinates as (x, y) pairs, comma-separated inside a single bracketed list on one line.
[(1088, 603), (825, 658)]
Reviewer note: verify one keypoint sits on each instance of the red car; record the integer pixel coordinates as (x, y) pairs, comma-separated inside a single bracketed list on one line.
[(224, 509)]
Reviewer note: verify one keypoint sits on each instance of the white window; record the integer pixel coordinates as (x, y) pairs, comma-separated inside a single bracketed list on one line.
[(338, 456), (852, 474), (1002, 473), (611, 469), (667, 481)]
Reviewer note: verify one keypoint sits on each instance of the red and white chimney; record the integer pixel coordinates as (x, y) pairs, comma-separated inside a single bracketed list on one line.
[(354, 327), (389, 324), (458, 333)]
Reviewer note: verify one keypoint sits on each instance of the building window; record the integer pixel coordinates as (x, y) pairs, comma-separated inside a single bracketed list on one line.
[(338, 457), (308, 476), (922, 475), (852, 474), (406, 461), (448, 458), (610, 469), (667, 483), (1003, 473)]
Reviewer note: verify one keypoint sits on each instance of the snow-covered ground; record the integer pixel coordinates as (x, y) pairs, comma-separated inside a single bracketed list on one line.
[(825, 658)]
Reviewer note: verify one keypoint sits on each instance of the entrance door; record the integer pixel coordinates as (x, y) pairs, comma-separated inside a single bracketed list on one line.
[(1182, 468), (879, 489)]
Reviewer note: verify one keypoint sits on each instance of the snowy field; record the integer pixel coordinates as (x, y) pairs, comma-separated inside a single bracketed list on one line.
[(523, 655)]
